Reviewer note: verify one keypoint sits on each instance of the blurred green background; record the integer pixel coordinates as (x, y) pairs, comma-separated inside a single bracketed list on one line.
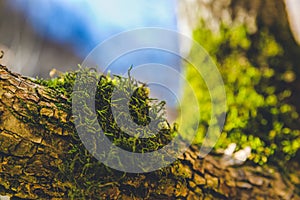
[(258, 58)]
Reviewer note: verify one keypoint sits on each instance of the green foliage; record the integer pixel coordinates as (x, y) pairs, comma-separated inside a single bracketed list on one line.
[(258, 114)]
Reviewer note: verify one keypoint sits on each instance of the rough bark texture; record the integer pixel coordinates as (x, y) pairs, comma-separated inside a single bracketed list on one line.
[(32, 151)]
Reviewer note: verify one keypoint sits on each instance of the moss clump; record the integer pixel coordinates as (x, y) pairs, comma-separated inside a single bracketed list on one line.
[(125, 113), (63, 84), (113, 99), (258, 113), (119, 103)]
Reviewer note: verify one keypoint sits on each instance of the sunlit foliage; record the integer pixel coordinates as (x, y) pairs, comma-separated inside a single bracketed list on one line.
[(258, 113)]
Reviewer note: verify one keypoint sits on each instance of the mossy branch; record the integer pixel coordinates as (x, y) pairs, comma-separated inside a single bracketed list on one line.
[(41, 157)]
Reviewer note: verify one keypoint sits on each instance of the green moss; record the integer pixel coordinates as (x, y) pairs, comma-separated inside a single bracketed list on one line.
[(128, 94), (80, 168), (258, 113)]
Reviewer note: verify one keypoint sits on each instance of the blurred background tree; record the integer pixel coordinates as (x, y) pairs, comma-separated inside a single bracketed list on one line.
[(257, 55)]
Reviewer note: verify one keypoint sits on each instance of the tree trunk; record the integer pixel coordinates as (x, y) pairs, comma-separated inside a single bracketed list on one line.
[(36, 137), (257, 15)]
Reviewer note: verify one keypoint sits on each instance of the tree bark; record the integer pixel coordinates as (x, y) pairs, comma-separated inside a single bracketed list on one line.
[(36, 137)]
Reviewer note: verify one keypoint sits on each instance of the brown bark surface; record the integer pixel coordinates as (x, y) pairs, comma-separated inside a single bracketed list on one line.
[(33, 151)]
